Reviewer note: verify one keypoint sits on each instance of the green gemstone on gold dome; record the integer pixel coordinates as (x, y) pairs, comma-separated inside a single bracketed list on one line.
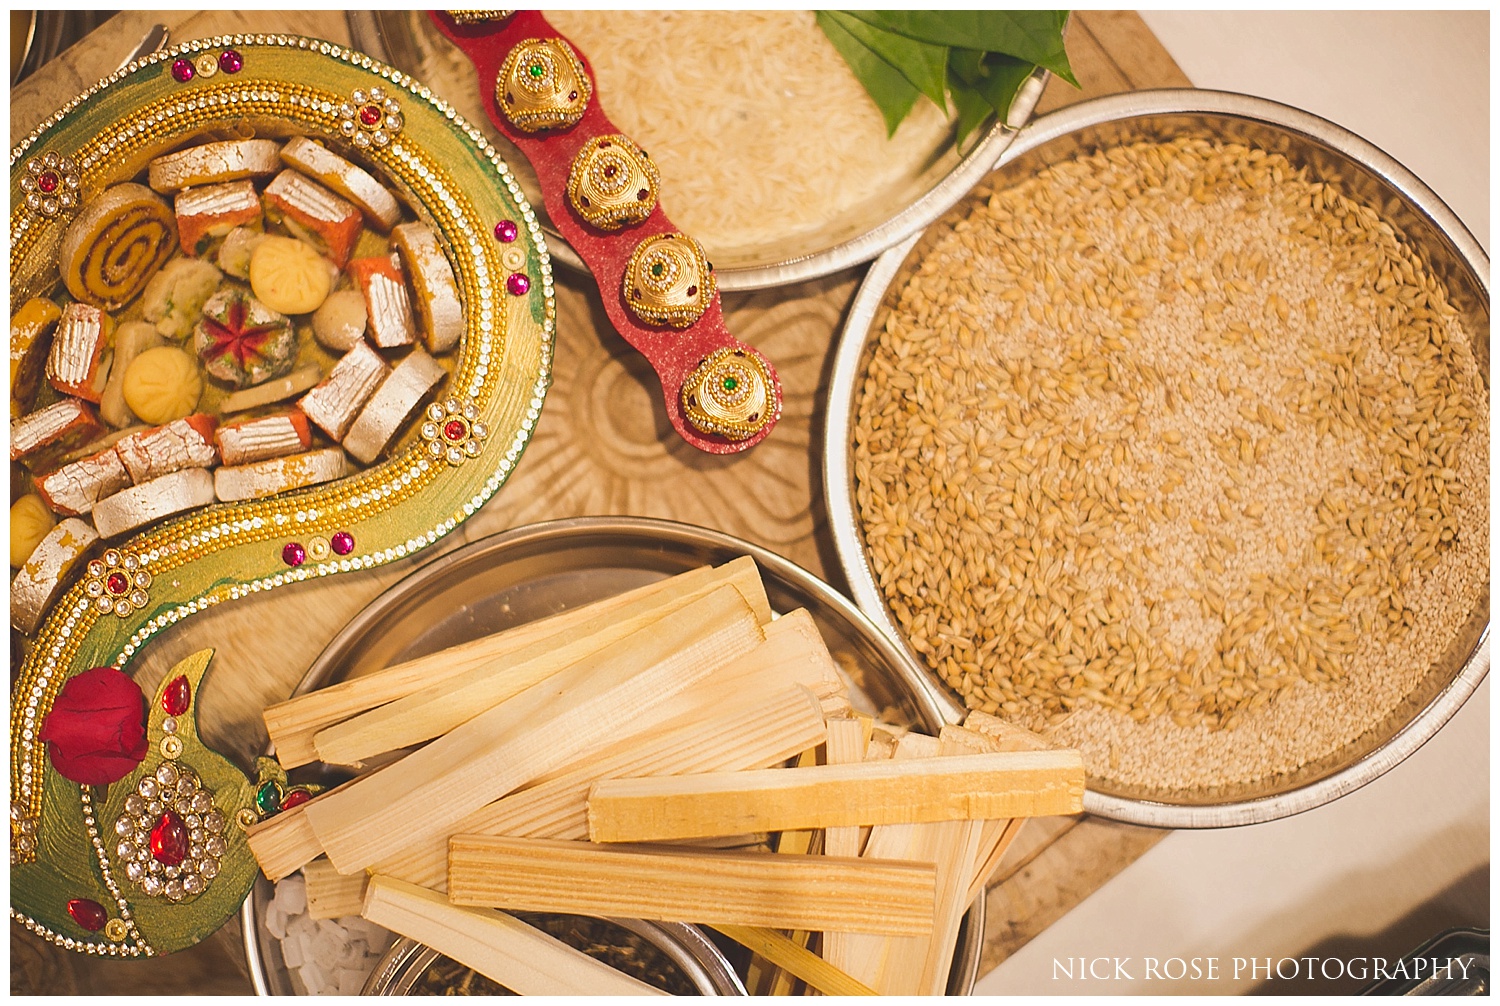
[(537, 70), (268, 798), (730, 384), (658, 270)]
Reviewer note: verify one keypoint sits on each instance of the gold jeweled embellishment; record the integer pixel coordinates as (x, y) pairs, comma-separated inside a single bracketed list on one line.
[(542, 85), (453, 432), (478, 16), (729, 394), (169, 836), (613, 182), (118, 582), (22, 835), (370, 118), (50, 185), (668, 281)]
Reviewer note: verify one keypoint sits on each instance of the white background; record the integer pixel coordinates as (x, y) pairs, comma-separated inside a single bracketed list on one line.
[(1378, 871)]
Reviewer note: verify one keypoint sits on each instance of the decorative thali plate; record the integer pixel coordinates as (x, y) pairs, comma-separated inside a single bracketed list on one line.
[(68, 883)]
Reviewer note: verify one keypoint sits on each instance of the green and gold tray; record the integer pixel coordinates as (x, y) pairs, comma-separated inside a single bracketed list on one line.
[(67, 884)]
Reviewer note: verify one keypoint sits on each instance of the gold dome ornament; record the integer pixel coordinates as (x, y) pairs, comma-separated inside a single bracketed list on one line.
[(729, 394), (613, 183), (542, 85), (668, 281)]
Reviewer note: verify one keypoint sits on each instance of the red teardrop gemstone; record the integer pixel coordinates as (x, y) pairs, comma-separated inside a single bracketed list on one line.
[(176, 697), (87, 913), (169, 839), (295, 798)]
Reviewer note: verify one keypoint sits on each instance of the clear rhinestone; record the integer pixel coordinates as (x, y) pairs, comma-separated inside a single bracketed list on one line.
[(170, 871), (173, 890), (134, 804), (167, 774), (209, 867), (213, 821), (125, 850), (135, 871), (203, 802), (144, 855), (193, 821), (213, 845), (103, 603), (138, 598), (124, 825), (147, 788), (94, 588), (187, 786), (192, 884), (169, 725), (196, 835), (153, 808), (151, 885), (434, 412)]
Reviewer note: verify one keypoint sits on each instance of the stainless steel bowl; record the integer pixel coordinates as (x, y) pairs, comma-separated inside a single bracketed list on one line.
[(406, 39), (535, 571), (1329, 152), (685, 946)]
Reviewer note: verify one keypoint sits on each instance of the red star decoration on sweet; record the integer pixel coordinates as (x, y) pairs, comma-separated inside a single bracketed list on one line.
[(232, 336)]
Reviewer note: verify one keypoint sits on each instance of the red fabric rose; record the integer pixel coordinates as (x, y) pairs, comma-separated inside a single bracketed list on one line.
[(96, 731)]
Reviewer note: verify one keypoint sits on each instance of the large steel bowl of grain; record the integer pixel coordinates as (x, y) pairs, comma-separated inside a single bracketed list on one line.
[(1422, 264), (531, 572)]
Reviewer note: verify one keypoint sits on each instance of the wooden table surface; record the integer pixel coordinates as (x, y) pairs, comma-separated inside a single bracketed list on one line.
[(603, 447)]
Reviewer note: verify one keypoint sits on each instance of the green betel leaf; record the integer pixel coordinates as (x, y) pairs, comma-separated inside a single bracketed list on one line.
[(973, 110), (1032, 35), (923, 64), (893, 93), (1002, 78), (967, 64)]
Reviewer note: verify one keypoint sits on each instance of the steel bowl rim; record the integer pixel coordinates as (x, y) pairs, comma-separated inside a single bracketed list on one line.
[(929, 703), (913, 218), (838, 486)]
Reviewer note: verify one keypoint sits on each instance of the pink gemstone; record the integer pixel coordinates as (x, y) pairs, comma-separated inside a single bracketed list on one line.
[(47, 181), (176, 696), (371, 115), (293, 554), (455, 430), (342, 543), (230, 61), (182, 71), (506, 231), (295, 798), (518, 284), (87, 913), (169, 839), (117, 583)]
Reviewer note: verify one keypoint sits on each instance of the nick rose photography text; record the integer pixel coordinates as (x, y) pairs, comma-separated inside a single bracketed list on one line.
[(1256, 968)]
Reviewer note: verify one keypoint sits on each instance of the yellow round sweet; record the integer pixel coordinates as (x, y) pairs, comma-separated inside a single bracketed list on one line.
[(30, 520), (288, 275), (162, 384)]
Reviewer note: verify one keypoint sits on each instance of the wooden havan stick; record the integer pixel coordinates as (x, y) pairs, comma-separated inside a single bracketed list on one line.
[(949, 788), (758, 736), (293, 724), (847, 740), (796, 960), (331, 894), (992, 849), (676, 885), (795, 843), (524, 738), (866, 955), (522, 958), (438, 708)]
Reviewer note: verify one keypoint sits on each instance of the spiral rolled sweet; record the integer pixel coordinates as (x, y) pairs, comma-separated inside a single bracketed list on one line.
[(115, 244)]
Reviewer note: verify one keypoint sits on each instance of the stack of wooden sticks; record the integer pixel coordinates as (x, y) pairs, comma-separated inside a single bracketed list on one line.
[(629, 758)]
